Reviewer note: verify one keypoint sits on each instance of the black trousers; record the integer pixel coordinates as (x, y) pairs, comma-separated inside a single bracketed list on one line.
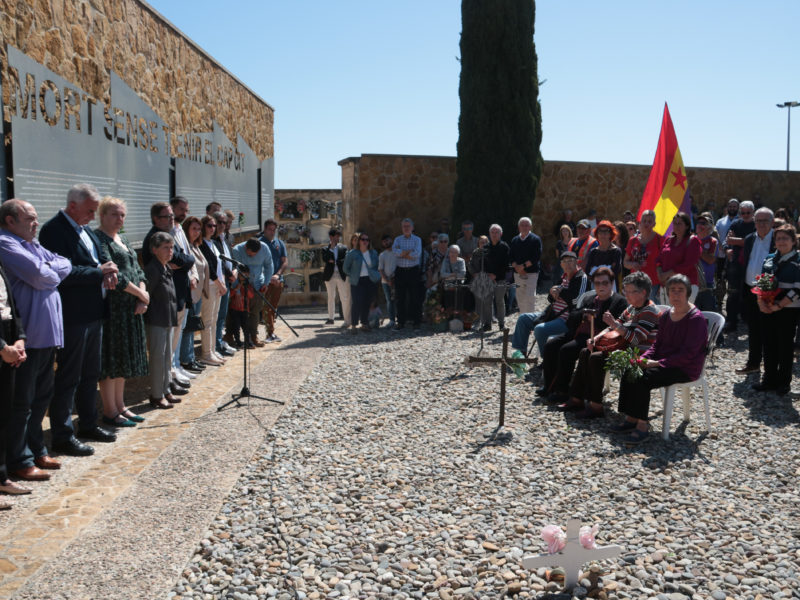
[(589, 376), (407, 295), (779, 328), (76, 378), (755, 327), (634, 397), (362, 296), (559, 356), (7, 377), (733, 307)]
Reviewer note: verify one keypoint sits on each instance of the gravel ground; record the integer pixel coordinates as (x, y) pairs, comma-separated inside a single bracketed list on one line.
[(377, 482)]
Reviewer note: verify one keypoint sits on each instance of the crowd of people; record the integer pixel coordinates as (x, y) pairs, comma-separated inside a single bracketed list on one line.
[(79, 311)]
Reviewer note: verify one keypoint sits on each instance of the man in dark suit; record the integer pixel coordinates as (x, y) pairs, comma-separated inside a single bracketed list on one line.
[(334, 276), (755, 248), (83, 299), (12, 354)]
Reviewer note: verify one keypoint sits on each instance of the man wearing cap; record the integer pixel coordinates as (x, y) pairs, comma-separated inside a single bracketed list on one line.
[(583, 243), (553, 320), (334, 276), (526, 252)]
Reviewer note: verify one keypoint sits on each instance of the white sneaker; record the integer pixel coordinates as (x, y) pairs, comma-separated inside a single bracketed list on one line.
[(228, 347), (217, 356), (273, 338), (185, 373), (176, 375)]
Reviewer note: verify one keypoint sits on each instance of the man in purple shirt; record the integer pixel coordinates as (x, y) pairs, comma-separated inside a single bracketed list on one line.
[(35, 274)]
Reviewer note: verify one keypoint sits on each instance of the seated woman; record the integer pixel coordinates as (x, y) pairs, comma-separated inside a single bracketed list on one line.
[(637, 326), (779, 317), (677, 356), (453, 270), (553, 320), (561, 351)]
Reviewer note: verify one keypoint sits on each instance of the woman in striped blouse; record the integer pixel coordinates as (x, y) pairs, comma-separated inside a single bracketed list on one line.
[(637, 324)]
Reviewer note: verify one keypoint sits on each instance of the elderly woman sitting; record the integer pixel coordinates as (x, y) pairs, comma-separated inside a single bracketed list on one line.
[(453, 270), (553, 320), (677, 356), (636, 326)]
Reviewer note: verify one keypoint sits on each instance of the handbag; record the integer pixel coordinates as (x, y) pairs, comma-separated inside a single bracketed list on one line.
[(194, 322), (610, 341)]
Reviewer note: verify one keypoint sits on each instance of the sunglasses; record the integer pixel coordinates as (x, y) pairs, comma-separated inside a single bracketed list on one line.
[(210, 226), (364, 239)]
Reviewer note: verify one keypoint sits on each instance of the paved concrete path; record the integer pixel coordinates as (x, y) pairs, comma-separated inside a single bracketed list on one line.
[(123, 523)]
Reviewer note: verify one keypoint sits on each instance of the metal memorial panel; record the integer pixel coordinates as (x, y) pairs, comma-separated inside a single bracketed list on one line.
[(3, 180), (58, 136), (267, 189), (142, 157), (209, 167)]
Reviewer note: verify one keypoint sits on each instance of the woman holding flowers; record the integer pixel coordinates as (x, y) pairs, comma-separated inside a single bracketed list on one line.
[(636, 326), (676, 356), (779, 311)]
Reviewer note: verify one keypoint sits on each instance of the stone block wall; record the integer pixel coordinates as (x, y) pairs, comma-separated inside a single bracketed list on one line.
[(378, 190), (83, 40)]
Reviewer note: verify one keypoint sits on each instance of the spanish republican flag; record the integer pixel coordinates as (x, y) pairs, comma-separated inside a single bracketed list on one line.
[(667, 190)]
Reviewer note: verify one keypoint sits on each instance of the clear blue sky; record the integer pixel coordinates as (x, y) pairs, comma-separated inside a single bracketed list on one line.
[(372, 76)]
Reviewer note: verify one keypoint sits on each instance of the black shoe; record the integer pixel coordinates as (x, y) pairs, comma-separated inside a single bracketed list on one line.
[(178, 390), (178, 382), (783, 390), (398, 327), (73, 447), (762, 387), (329, 322), (98, 434), (542, 391), (501, 326), (225, 352), (192, 367)]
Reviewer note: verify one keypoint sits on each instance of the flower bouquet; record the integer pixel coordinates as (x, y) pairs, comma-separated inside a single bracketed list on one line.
[(241, 219), (625, 364), (766, 287)]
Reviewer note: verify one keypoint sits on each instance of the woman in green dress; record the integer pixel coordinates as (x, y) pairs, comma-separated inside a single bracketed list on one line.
[(124, 348)]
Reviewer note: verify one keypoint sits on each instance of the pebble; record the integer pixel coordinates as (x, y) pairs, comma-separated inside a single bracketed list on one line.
[(383, 485)]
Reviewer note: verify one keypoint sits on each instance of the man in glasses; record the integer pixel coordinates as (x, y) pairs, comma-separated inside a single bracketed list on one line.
[(734, 243)]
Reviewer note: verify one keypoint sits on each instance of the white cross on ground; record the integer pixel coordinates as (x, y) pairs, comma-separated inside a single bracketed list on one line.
[(572, 557)]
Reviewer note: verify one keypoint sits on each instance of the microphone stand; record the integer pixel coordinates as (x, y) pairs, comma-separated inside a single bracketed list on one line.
[(244, 280)]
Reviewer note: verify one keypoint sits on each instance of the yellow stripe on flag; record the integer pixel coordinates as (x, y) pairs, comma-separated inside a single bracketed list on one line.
[(672, 195)]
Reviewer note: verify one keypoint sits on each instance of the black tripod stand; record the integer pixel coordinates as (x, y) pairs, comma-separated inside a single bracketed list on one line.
[(244, 281)]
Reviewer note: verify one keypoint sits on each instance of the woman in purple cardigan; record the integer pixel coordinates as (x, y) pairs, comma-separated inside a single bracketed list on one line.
[(677, 356)]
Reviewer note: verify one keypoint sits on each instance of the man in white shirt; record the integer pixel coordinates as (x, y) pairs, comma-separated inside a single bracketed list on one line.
[(182, 342), (334, 277)]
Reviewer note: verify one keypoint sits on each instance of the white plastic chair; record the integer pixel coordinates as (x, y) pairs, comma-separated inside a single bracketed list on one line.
[(715, 324), (607, 381)]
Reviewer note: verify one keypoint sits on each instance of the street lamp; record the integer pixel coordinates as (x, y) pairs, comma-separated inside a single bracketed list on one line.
[(788, 106)]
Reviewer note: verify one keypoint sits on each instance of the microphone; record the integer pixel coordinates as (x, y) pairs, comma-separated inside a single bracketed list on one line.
[(235, 263)]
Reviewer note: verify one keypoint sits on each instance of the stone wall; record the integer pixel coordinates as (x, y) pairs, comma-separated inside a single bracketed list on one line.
[(84, 40), (378, 190)]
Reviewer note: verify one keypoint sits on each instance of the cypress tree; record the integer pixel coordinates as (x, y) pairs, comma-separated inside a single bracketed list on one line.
[(500, 125)]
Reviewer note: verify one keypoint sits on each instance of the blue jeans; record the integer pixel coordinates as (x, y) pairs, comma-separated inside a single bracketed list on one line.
[(527, 323), (176, 356), (221, 315), (655, 294), (187, 339), (390, 310)]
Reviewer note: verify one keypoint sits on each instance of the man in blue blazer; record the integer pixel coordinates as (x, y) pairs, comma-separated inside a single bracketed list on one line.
[(83, 299)]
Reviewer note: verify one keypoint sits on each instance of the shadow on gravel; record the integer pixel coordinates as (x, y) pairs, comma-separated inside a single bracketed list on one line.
[(767, 407)]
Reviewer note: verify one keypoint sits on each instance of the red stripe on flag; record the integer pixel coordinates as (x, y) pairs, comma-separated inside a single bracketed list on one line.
[(665, 152)]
